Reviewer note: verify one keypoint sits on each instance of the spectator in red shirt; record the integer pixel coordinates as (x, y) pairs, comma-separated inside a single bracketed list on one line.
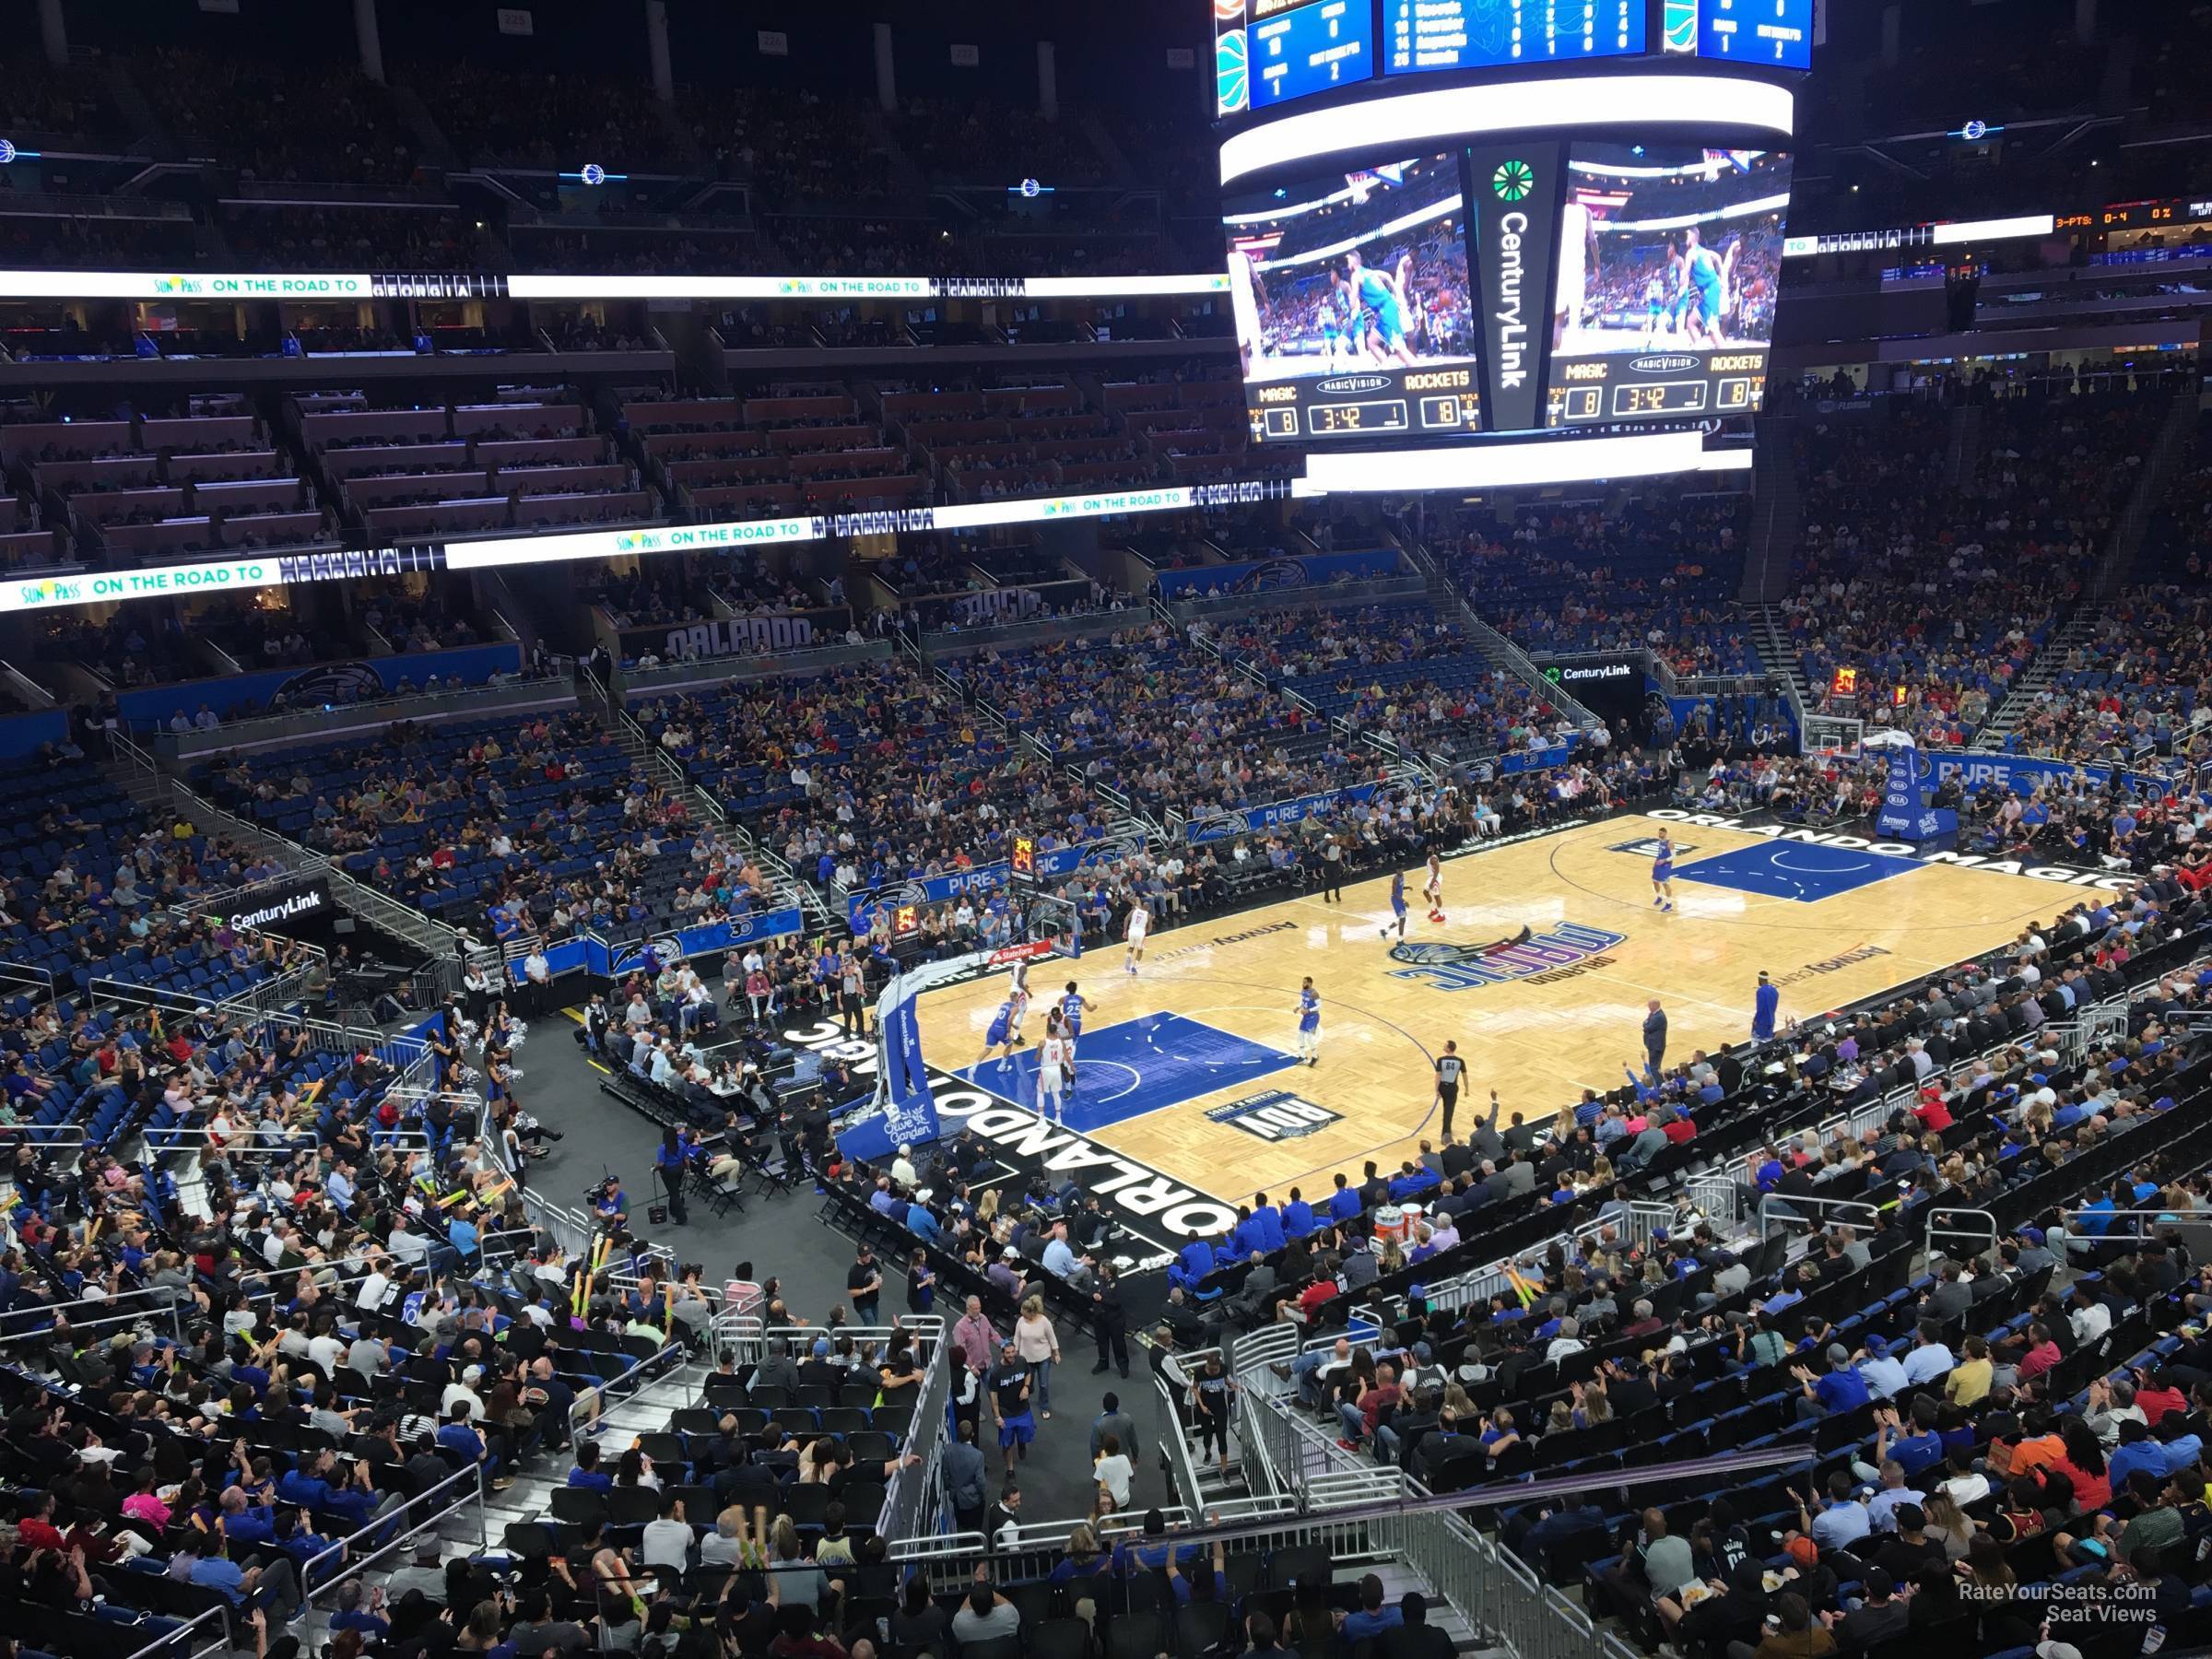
[(36, 1529), (2084, 1466), (2155, 1399), (2042, 1355), (1322, 1290), (1935, 1115)]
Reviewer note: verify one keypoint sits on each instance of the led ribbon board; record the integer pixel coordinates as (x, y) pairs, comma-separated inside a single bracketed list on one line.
[(387, 285)]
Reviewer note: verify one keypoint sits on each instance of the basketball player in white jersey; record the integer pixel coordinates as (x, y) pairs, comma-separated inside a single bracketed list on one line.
[(1433, 889), (1052, 1069), (1578, 264), (1018, 992), (1140, 924)]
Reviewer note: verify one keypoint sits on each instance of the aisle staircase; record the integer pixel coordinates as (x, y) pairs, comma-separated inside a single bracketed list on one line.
[(598, 699), (2037, 677), (2176, 441), (1502, 655), (1776, 514), (1783, 665), (1962, 456), (623, 1415)]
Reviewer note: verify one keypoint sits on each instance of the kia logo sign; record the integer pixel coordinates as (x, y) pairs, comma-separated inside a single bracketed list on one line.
[(1351, 385), (1662, 365)]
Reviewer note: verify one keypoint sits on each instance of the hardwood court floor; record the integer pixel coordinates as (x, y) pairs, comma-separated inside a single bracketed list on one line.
[(1190, 1065)]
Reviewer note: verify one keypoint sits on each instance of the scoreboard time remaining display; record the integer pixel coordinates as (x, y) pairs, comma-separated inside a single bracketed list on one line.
[(1343, 419), (1423, 35), (1727, 380), (1442, 402)]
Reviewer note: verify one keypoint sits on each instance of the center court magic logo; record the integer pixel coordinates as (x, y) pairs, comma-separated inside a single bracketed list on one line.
[(1561, 952), (1648, 847), (1274, 1115)]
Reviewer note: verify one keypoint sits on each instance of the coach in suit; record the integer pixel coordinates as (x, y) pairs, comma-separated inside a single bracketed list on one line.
[(1655, 1036)]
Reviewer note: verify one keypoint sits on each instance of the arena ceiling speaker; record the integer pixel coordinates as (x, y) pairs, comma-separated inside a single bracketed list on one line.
[(1411, 120)]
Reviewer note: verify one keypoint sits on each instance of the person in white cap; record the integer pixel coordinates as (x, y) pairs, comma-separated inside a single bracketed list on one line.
[(902, 1166), (465, 1393)]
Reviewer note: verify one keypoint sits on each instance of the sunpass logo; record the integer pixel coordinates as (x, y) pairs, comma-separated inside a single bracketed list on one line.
[(1513, 181), (1565, 950), (1349, 384)]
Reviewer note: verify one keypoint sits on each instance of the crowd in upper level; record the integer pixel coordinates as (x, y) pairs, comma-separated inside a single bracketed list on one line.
[(1928, 577)]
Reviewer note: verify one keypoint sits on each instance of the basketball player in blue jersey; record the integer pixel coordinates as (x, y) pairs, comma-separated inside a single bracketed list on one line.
[(1001, 1034), (1309, 1023), (1380, 296), (1397, 908), (1663, 872), (1072, 1004), (1707, 276)]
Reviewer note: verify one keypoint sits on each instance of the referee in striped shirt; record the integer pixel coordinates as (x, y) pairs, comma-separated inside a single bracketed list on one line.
[(1450, 1072)]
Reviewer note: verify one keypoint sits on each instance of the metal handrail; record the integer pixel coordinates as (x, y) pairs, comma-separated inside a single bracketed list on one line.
[(62, 1136), (1182, 1467), (584, 1410), (472, 1473), (140, 1316), (166, 1644), (1986, 1238), (1794, 1206), (27, 977), (339, 1277)]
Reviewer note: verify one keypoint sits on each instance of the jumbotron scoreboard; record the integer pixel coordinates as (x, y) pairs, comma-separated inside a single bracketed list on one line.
[(1463, 219)]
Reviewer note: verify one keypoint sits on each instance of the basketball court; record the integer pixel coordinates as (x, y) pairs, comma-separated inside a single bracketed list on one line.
[(1191, 1066)]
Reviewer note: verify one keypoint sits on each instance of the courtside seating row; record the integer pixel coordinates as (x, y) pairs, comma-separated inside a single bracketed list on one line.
[(1750, 1118), (850, 1213)]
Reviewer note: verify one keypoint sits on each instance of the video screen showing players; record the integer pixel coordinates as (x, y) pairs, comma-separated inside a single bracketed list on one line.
[(1669, 263), (1351, 300)]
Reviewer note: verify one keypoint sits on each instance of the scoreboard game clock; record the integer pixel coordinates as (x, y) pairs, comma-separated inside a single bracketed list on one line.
[(1428, 258)]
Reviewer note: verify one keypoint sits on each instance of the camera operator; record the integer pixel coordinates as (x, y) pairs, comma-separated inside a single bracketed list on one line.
[(610, 1202)]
